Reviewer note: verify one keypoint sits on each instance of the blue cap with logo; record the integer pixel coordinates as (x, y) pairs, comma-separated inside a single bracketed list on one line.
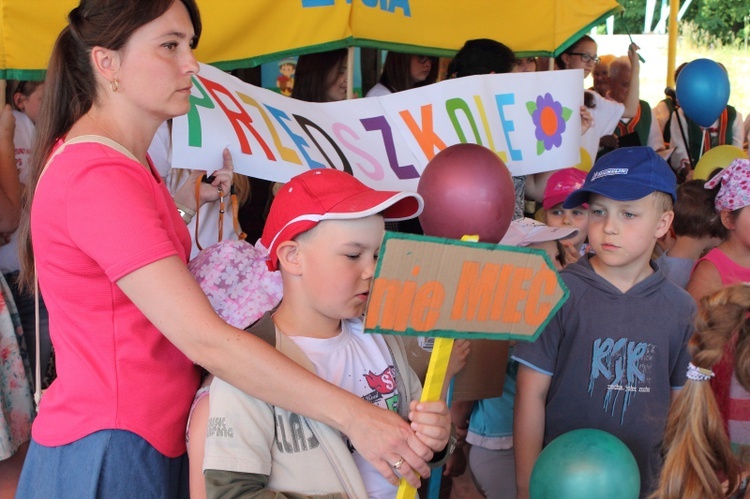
[(626, 174)]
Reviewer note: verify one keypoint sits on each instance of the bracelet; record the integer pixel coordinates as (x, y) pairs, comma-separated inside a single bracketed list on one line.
[(185, 212)]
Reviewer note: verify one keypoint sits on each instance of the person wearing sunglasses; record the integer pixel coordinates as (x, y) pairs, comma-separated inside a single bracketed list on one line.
[(606, 113)]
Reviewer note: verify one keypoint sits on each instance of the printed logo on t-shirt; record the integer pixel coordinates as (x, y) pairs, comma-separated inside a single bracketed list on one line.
[(625, 367), (384, 388), (217, 427), (293, 433)]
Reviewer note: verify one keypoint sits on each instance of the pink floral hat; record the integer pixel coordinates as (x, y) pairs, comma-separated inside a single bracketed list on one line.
[(236, 279), (735, 186)]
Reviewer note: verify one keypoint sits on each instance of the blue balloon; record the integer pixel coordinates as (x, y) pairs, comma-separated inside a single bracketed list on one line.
[(703, 91), (585, 464)]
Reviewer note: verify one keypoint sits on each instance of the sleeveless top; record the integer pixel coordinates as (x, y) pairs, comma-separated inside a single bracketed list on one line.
[(732, 398)]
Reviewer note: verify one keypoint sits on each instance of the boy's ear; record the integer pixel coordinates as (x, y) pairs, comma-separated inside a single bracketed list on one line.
[(288, 254), (665, 222)]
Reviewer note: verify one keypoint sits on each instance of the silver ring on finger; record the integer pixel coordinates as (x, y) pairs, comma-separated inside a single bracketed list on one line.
[(397, 465)]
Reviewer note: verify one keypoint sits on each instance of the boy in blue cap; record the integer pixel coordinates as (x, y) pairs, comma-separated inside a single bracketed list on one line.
[(614, 354)]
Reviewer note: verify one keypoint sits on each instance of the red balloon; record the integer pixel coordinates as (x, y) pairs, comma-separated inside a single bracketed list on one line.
[(467, 190)]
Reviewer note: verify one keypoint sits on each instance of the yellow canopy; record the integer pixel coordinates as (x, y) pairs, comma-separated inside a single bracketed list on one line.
[(243, 33)]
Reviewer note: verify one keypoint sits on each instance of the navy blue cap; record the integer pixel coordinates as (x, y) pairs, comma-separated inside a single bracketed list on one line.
[(626, 174)]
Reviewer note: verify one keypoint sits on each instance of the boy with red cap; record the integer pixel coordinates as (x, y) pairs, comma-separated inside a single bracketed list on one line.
[(323, 233)]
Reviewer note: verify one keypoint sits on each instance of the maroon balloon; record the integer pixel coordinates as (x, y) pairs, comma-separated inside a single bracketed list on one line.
[(467, 190)]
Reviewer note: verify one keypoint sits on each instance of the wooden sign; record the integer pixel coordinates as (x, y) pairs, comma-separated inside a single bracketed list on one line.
[(428, 286)]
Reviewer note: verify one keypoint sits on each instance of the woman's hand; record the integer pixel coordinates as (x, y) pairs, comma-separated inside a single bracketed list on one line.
[(387, 442)]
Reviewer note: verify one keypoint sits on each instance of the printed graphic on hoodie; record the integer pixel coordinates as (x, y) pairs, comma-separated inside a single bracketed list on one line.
[(624, 366)]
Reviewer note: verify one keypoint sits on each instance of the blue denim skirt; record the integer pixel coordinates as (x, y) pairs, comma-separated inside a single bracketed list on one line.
[(107, 464)]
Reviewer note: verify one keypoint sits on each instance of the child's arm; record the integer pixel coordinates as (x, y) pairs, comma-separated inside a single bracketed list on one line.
[(673, 396), (228, 484), (704, 280), (633, 99), (528, 423), (10, 186)]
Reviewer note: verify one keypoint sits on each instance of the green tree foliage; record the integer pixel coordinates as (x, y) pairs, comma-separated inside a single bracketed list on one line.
[(725, 19), (631, 21), (722, 20)]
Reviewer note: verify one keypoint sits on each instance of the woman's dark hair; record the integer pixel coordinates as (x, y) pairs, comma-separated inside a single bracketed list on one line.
[(396, 75), (480, 57), (71, 87), (311, 78), (572, 48)]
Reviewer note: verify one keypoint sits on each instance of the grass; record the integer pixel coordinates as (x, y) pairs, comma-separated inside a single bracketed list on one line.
[(654, 70)]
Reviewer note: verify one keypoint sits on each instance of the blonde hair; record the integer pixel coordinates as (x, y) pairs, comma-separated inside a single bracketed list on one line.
[(698, 453), (663, 201)]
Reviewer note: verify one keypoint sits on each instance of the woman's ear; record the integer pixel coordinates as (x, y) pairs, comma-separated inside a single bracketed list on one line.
[(289, 257), (106, 62), (565, 58)]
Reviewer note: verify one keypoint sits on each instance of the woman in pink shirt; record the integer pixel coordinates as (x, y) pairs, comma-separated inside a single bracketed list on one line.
[(127, 320)]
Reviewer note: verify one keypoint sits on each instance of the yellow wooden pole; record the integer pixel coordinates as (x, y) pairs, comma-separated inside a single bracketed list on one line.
[(434, 381), (433, 388), (674, 7)]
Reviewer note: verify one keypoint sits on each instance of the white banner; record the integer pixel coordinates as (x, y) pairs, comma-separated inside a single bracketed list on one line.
[(530, 120)]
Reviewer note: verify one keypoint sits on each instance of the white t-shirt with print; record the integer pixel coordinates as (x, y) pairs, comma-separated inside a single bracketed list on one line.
[(360, 364)]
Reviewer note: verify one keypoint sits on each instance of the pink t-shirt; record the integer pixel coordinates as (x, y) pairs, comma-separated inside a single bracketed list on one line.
[(96, 217), (732, 398)]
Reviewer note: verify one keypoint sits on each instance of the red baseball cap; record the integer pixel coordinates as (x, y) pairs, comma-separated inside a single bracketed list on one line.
[(561, 184), (329, 194)]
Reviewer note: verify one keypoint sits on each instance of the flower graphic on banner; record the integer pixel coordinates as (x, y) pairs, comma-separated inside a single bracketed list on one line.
[(549, 117)]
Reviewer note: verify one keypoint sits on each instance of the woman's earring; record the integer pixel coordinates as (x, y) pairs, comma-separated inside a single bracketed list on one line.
[(114, 85)]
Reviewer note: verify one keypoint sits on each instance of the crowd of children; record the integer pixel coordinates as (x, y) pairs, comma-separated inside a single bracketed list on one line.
[(650, 346)]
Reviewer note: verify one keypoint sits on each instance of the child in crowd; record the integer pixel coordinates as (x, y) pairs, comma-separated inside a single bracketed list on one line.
[(729, 262), (696, 228), (26, 99), (698, 459), (323, 232), (725, 265), (404, 72), (490, 426), (321, 77), (613, 355), (561, 184)]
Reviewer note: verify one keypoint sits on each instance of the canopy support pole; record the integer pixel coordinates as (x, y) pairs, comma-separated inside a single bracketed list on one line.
[(674, 6)]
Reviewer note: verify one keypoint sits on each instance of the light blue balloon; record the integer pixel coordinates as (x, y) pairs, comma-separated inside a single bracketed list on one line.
[(585, 464), (703, 91)]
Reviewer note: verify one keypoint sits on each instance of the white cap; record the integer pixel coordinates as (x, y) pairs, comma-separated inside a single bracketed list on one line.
[(525, 231)]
